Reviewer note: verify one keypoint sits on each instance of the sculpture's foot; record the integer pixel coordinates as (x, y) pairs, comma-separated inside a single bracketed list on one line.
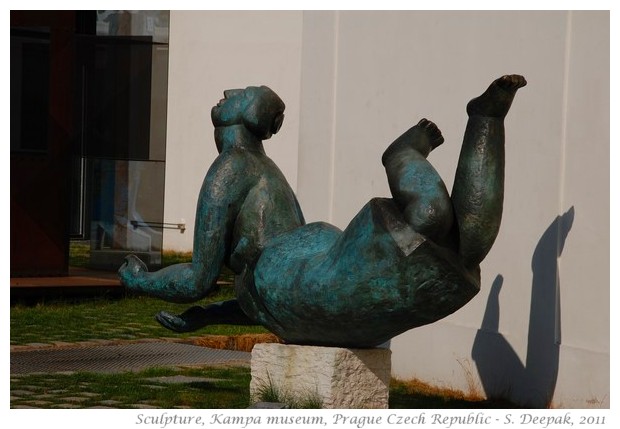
[(496, 100), (132, 270), (422, 137), (431, 132), (197, 317), (174, 323)]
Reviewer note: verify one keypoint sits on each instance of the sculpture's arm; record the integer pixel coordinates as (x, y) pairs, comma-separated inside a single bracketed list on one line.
[(222, 194)]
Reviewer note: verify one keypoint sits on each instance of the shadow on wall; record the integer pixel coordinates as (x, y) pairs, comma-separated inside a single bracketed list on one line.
[(502, 373)]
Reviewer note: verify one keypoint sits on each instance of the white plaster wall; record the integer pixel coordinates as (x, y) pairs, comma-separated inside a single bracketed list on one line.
[(315, 182), (354, 81), (389, 69), (211, 51), (585, 263)]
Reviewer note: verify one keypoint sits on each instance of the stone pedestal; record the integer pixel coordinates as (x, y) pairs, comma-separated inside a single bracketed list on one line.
[(334, 377)]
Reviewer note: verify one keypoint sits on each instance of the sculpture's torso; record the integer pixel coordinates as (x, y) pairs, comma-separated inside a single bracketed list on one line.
[(266, 207), (373, 281)]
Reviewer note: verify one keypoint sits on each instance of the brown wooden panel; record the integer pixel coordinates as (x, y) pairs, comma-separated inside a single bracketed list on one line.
[(40, 180)]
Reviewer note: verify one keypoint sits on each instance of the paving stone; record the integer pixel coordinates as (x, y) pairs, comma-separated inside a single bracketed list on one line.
[(89, 394), (66, 406), (156, 387), (110, 402), (269, 405), (144, 406), (21, 407), (73, 399), (22, 392), (58, 391), (37, 403), (182, 379), (119, 358), (45, 396), (30, 387), (100, 407), (62, 344)]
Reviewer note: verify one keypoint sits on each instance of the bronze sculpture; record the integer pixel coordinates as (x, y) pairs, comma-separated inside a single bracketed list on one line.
[(402, 262)]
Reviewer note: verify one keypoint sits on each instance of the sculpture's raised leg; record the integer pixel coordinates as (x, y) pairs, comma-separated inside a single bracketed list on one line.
[(478, 191), (416, 186)]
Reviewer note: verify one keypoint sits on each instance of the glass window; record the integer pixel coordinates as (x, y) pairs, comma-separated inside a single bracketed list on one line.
[(30, 75)]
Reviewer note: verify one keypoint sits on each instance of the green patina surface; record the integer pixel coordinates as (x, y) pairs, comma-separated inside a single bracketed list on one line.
[(401, 262)]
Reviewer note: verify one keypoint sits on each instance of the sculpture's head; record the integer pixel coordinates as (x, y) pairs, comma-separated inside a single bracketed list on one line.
[(257, 107)]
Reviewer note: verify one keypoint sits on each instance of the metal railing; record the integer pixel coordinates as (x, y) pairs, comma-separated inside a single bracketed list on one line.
[(159, 225)]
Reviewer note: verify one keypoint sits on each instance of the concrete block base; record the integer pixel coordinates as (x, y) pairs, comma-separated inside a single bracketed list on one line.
[(336, 377)]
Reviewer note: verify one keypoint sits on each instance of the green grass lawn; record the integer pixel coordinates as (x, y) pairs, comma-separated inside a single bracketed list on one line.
[(107, 319), (133, 318), (224, 387)]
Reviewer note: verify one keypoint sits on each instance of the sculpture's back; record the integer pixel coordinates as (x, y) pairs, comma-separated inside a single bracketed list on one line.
[(361, 287)]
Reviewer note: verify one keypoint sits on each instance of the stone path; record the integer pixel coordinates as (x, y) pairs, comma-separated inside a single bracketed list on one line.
[(121, 357), (104, 358), (41, 395)]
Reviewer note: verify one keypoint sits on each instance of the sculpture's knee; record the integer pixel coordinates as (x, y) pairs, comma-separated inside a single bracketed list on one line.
[(420, 193), (432, 218)]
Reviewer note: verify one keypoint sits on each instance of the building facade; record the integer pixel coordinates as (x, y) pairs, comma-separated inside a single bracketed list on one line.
[(353, 81), (126, 168)]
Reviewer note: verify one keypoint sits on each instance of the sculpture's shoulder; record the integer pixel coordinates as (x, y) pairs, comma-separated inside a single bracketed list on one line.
[(230, 163), (253, 164)]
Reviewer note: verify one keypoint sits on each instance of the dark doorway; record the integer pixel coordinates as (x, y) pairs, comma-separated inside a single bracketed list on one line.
[(42, 78)]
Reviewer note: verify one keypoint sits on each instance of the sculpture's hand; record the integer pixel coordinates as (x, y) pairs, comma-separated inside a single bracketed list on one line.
[(132, 270)]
